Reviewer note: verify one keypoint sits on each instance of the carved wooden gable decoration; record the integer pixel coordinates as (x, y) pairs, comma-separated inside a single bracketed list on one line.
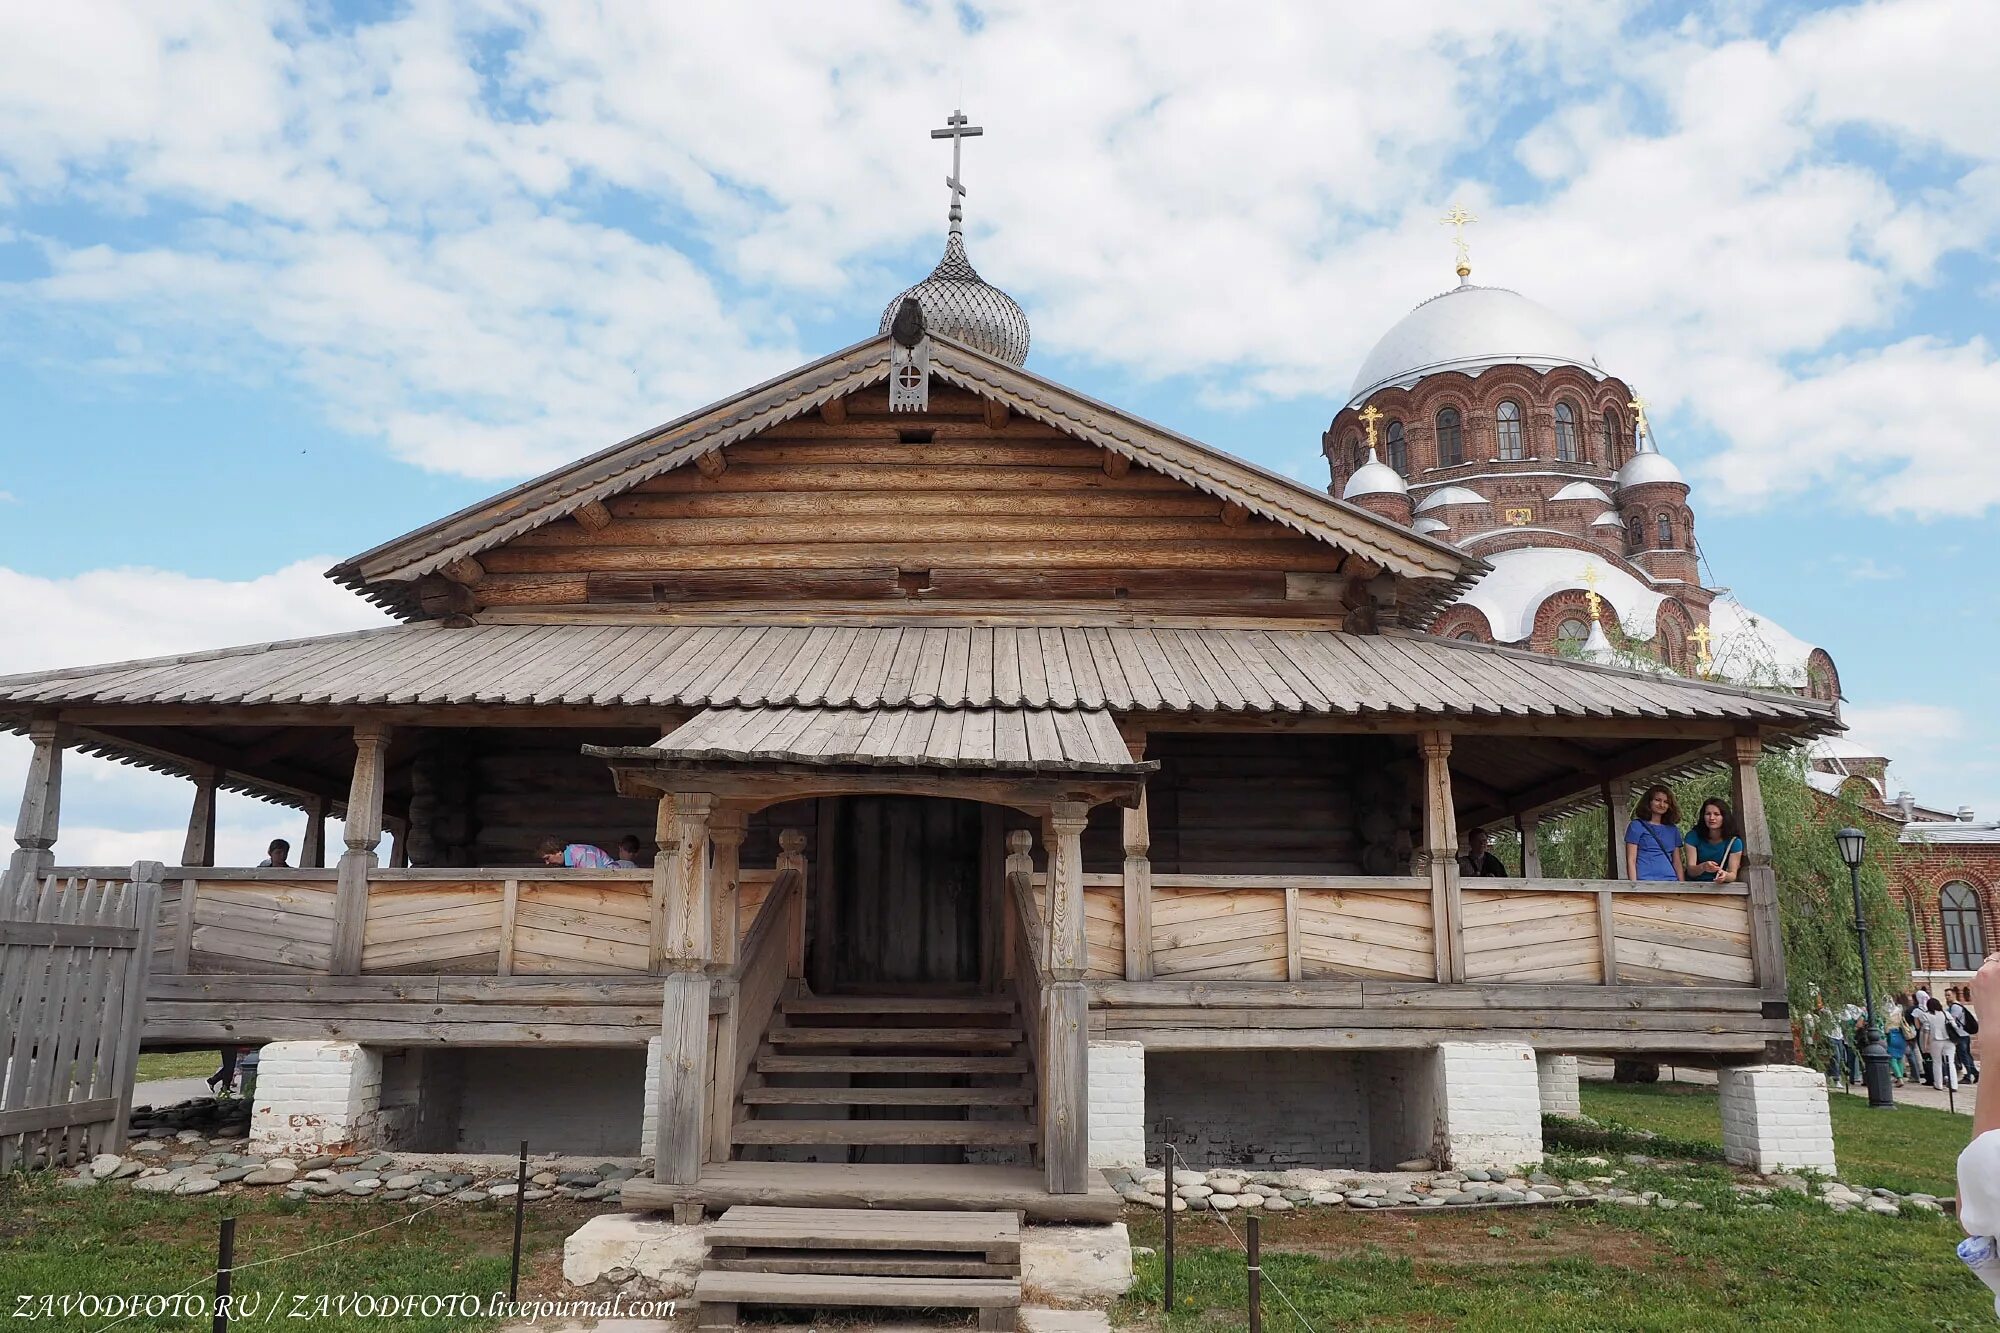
[(1006, 495)]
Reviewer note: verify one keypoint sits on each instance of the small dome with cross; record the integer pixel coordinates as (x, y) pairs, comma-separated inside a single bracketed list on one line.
[(959, 304)]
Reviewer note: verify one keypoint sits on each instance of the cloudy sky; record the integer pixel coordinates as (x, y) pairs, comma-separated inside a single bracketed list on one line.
[(279, 281)]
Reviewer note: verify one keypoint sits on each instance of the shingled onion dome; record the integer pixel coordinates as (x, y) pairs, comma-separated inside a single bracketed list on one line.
[(959, 304)]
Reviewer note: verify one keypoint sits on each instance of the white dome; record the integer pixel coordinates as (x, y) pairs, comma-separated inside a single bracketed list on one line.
[(1525, 577), (1374, 477), (1469, 329), (1581, 490), (1450, 495), (1430, 525), (1751, 649), (1650, 466), (1606, 520)]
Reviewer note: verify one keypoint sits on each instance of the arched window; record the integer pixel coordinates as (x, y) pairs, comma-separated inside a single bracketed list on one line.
[(1451, 438), (1666, 533), (1566, 442), (1635, 535), (1916, 938), (1572, 632), (1964, 932), (1399, 450), (1467, 636), (1513, 446), (1610, 438)]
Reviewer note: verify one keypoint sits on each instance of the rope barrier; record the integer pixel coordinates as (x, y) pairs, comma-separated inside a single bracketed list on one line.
[(1244, 1246)]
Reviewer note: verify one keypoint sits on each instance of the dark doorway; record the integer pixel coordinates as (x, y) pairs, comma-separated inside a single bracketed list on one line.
[(904, 907)]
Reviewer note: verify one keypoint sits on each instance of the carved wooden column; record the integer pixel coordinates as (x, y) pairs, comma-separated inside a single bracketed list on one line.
[(1617, 813), (684, 882), (1528, 825), (198, 848), (1759, 876), (725, 831), (1441, 854), (41, 806), (1138, 876), (1066, 1008), (312, 847), (363, 834)]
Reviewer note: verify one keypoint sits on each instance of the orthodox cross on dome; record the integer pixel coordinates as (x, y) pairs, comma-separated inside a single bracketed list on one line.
[(1701, 638), (1369, 416), (1457, 220), (958, 131), (1590, 595), (1641, 430)]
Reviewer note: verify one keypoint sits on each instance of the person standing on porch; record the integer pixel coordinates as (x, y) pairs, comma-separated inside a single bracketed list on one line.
[(629, 850), (575, 855), (277, 856), (1478, 859), (1714, 850), (1653, 839)]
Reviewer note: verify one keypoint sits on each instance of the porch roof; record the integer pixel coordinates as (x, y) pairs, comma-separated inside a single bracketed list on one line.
[(1027, 740), (1150, 668)]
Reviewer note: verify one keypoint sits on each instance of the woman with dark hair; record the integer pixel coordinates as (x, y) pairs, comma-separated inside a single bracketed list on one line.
[(1714, 850), (1939, 1045), (1653, 838)]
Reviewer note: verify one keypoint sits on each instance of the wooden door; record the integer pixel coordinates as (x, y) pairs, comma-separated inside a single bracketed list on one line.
[(905, 903)]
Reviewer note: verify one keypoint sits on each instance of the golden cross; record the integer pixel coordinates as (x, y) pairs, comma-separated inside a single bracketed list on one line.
[(1700, 639), (1590, 582), (1369, 416), (1638, 406), (1457, 220)]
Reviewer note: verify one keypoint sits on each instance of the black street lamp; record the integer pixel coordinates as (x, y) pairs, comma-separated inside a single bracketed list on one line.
[(1875, 1055)]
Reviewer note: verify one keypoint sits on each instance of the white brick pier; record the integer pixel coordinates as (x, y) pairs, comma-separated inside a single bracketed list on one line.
[(1117, 1104), (1561, 1093), (316, 1096), (1487, 1104), (1774, 1118)]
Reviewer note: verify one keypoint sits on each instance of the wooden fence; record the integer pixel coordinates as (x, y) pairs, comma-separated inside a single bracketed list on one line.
[(1311, 928), (73, 964)]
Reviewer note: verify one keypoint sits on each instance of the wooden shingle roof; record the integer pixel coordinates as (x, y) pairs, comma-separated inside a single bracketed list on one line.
[(1121, 667)]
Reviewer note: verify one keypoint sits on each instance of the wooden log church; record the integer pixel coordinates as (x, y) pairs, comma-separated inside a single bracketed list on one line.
[(1011, 773)]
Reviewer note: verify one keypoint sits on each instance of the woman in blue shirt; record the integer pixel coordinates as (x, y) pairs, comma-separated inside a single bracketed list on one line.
[(1714, 850), (1653, 838)]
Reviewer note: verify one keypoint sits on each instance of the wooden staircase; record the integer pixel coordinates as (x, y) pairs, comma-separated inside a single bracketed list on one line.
[(956, 1068), (815, 1258)]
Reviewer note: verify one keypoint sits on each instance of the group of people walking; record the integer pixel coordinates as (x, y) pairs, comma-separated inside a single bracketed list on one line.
[(1929, 1038)]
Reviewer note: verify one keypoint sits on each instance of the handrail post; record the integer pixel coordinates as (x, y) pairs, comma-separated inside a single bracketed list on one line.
[(1441, 855), (1759, 876), (684, 1047), (1138, 875), (363, 834), (1066, 1008), (41, 807)]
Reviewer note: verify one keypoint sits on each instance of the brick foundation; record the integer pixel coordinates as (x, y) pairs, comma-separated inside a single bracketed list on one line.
[(1556, 1075), (1117, 1103), (1488, 1105), (316, 1096), (1774, 1118)]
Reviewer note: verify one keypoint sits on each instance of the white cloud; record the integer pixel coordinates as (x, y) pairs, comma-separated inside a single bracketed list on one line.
[(1929, 743), (495, 235), (113, 813)]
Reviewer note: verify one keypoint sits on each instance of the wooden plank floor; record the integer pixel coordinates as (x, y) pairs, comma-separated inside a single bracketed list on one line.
[(946, 1188)]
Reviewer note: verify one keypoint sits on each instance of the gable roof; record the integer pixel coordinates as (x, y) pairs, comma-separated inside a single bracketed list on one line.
[(1441, 569)]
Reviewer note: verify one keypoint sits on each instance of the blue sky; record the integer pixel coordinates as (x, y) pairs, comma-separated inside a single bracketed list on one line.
[(279, 282)]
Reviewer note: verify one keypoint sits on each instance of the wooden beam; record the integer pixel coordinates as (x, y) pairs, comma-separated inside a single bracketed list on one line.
[(41, 806), (995, 413), (464, 570), (1065, 1052), (312, 847), (1529, 826), (1441, 852), (725, 832), (592, 516), (1116, 464), (1617, 796), (1234, 515), (678, 1117), (1767, 941), (711, 464), (1138, 877), (834, 411), (198, 848), (363, 834)]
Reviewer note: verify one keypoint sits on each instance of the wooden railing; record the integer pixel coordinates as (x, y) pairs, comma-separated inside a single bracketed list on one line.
[(502, 921), (1322, 927), (772, 944)]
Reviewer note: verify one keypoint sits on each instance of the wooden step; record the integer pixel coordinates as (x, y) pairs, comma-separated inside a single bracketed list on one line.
[(897, 1004), (769, 1096), (995, 1235), (968, 1039), (860, 1263), (718, 1292), (915, 1186), (938, 1133), (892, 1064)]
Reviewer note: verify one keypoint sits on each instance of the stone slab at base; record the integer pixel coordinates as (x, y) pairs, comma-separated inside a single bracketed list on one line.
[(1775, 1118), (1561, 1092), (1076, 1263), (1034, 1319), (649, 1112), (1117, 1103), (665, 1254), (316, 1096)]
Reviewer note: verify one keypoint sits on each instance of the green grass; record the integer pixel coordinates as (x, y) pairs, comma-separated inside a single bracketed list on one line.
[(1909, 1149), (178, 1064), (111, 1240), (1576, 1271)]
